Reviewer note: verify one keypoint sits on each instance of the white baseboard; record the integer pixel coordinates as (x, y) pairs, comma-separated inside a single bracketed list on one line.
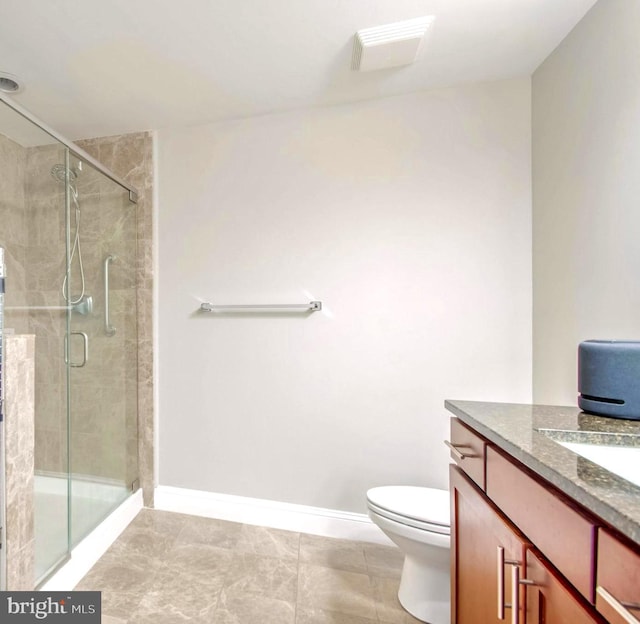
[(91, 548), (273, 514)]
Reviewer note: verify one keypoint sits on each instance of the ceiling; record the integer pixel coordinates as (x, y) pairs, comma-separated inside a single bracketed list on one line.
[(94, 68)]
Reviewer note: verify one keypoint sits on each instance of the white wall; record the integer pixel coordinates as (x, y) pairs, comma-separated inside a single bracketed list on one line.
[(409, 217), (586, 194)]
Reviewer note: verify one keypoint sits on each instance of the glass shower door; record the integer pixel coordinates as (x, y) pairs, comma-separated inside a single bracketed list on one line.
[(69, 237), (102, 348), (34, 305), (33, 232)]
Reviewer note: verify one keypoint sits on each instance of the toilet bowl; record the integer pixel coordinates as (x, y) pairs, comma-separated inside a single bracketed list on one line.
[(417, 520)]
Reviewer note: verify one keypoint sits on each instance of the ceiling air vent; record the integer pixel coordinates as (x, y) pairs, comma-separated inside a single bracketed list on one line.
[(390, 45)]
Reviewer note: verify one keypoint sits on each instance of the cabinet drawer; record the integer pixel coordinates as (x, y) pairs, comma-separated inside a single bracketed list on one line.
[(471, 451), (565, 536), (618, 580)]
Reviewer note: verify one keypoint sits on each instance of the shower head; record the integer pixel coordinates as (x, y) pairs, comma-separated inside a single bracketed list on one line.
[(60, 172)]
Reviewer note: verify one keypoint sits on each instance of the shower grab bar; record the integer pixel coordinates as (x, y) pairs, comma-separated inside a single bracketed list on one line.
[(109, 329), (312, 306)]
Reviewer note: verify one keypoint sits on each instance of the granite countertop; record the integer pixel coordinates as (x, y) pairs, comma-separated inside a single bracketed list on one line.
[(515, 429)]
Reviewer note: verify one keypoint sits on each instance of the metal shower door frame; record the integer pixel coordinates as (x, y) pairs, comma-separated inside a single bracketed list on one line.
[(72, 147)]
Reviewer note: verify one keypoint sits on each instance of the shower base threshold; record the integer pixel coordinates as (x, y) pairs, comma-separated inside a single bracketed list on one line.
[(87, 552)]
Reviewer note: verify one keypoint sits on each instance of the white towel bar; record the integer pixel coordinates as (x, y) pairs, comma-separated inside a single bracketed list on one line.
[(312, 306)]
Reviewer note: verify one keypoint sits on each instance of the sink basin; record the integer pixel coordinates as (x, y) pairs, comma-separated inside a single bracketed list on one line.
[(617, 453)]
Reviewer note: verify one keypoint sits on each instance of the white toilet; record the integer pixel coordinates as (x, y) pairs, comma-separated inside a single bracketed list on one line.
[(417, 520)]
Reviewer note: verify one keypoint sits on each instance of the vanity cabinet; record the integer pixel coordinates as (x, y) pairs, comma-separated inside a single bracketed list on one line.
[(520, 553)]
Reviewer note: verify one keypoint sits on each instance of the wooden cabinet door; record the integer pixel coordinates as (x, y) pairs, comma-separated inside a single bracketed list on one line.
[(549, 598), (618, 578), (480, 586)]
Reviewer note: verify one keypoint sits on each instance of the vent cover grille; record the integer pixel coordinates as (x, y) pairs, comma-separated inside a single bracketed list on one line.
[(391, 45)]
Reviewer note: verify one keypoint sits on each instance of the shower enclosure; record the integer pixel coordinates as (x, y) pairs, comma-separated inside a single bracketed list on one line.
[(68, 230)]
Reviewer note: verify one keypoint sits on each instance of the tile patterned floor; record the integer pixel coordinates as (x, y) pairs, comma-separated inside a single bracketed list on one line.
[(168, 568)]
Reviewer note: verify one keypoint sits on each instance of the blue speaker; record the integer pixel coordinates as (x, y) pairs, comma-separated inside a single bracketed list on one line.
[(609, 378)]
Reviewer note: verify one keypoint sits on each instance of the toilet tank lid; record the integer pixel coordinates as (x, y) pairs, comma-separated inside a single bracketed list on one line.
[(426, 504)]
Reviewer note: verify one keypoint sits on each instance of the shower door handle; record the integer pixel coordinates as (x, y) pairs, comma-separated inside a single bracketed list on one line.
[(85, 349), (109, 329)]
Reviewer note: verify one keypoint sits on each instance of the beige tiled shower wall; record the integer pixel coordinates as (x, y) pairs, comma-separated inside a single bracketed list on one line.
[(13, 231), (131, 157), (45, 255), (103, 392), (107, 439), (19, 443)]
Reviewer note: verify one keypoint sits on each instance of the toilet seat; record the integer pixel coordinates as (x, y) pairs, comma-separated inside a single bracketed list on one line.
[(423, 508)]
